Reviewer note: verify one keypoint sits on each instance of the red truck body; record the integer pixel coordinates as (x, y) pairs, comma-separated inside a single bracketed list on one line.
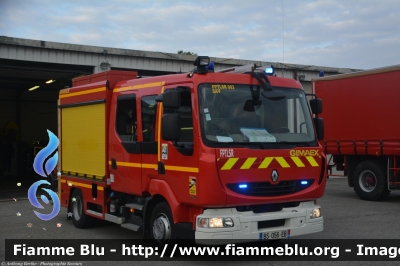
[(361, 128), (120, 161)]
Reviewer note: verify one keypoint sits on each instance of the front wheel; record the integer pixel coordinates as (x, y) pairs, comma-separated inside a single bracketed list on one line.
[(370, 181), (161, 224), (79, 218)]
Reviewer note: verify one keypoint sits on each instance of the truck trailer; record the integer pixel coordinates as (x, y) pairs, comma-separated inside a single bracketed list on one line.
[(218, 157), (362, 132)]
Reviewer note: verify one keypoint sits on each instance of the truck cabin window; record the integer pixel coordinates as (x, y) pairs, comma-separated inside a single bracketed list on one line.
[(126, 120), (149, 108), (185, 143), (235, 113)]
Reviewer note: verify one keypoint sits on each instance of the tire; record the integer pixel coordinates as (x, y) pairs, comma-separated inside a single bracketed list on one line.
[(161, 224), (79, 218), (370, 181)]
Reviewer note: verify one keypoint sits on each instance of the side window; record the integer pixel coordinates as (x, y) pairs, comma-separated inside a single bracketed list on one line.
[(185, 115), (149, 111), (126, 118), (186, 123)]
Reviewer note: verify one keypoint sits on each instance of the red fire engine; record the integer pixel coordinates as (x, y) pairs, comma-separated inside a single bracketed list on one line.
[(221, 156)]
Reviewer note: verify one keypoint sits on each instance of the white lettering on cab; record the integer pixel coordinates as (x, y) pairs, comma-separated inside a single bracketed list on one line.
[(226, 153)]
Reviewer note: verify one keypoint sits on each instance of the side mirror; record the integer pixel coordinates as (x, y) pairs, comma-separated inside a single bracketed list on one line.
[(319, 126), (170, 127), (316, 105), (171, 99)]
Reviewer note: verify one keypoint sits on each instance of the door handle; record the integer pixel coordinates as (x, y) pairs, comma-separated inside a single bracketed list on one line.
[(113, 164)]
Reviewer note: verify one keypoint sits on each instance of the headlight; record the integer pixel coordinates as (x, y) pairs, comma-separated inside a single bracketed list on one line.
[(215, 222), (315, 213), (228, 222), (203, 222)]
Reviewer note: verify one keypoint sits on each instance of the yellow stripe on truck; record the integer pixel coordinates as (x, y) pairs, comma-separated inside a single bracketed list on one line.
[(249, 163), (154, 166), (265, 163), (81, 92), (282, 162), (298, 162), (229, 163), (140, 86), (312, 161)]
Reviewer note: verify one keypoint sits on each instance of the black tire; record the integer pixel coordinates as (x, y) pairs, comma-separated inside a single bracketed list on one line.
[(370, 182), (79, 218), (161, 224)]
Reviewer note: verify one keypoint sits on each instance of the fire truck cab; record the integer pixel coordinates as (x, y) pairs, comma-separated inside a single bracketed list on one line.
[(218, 157)]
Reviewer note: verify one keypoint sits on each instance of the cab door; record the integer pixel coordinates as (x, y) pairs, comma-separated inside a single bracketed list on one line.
[(125, 149), (180, 158)]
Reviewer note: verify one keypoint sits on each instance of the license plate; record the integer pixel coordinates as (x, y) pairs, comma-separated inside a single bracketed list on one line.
[(275, 235)]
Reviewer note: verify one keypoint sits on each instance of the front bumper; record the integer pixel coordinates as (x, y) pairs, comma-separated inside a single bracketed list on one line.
[(297, 222)]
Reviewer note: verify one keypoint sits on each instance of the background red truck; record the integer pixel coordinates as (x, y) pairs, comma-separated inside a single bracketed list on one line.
[(362, 129), (221, 156)]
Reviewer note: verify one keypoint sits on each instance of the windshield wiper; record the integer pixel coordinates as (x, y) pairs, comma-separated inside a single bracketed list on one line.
[(270, 145), (298, 144)]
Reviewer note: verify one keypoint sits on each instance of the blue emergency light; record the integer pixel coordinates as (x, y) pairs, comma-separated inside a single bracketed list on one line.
[(304, 182), (210, 66), (269, 70), (243, 186)]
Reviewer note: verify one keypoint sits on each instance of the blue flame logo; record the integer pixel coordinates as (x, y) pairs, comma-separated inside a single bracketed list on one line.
[(44, 153), (44, 168)]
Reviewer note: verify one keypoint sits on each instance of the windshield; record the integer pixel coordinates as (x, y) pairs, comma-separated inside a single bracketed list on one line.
[(235, 113)]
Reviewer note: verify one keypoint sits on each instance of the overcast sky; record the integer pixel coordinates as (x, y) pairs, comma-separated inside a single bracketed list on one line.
[(351, 33)]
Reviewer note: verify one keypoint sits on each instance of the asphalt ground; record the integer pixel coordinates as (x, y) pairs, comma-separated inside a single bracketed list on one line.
[(345, 217)]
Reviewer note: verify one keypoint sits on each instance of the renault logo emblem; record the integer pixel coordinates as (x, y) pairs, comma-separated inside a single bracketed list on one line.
[(274, 175)]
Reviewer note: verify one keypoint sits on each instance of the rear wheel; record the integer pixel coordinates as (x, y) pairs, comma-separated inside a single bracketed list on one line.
[(79, 218), (370, 181), (161, 225)]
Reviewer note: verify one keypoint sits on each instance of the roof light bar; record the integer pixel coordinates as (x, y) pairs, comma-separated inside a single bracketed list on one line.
[(269, 70)]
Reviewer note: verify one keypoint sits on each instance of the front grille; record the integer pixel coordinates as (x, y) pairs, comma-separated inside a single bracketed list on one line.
[(265, 189), (274, 207), (271, 223)]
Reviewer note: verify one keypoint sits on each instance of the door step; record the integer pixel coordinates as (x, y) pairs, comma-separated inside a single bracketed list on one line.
[(114, 219), (131, 226), (135, 206)]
